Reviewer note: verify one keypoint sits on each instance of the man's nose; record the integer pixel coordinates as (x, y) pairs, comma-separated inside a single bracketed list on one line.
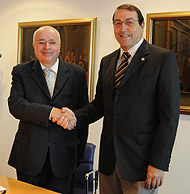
[(124, 26), (47, 45)]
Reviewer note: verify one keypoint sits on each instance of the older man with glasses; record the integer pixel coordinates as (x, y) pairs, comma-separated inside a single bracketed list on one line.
[(43, 153)]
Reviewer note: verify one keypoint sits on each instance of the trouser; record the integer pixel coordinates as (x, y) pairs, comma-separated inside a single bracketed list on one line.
[(47, 180), (115, 184)]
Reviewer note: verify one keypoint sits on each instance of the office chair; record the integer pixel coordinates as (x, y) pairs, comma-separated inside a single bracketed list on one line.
[(86, 179)]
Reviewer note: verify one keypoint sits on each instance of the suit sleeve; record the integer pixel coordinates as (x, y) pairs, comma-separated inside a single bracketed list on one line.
[(82, 101), (21, 108), (168, 94), (95, 110)]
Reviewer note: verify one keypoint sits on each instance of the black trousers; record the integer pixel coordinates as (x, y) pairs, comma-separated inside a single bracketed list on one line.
[(47, 180)]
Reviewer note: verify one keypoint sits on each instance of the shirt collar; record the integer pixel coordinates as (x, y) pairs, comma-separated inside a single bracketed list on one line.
[(132, 50), (54, 67)]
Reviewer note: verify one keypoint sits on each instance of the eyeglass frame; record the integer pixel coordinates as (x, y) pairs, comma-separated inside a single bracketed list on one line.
[(132, 20), (42, 43)]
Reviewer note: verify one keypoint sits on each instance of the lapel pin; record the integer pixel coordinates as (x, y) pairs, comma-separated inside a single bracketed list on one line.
[(142, 59)]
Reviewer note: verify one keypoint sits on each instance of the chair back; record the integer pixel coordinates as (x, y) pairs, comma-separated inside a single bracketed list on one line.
[(85, 167)]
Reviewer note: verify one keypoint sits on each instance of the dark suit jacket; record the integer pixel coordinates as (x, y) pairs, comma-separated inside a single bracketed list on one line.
[(140, 122), (30, 102)]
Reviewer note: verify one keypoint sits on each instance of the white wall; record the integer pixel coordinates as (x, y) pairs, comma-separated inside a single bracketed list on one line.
[(14, 11)]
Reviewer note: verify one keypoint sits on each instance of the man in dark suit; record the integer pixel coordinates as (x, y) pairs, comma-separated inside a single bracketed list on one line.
[(140, 109), (43, 153)]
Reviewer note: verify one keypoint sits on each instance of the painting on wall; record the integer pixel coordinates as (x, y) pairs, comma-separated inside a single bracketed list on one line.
[(172, 31), (78, 38)]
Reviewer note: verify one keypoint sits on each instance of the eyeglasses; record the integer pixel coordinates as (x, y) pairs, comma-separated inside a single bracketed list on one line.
[(128, 22), (43, 43)]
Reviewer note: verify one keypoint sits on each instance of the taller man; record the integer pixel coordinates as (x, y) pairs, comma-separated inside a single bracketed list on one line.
[(138, 95)]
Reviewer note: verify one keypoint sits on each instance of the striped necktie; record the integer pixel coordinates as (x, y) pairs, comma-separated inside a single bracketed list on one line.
[(48, 79), (121, 70)]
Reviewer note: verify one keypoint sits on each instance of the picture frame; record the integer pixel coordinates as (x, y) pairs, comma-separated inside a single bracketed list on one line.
[(78, 38), (171, 30)]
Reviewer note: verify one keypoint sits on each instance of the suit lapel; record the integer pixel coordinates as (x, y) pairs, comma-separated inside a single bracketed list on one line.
[(62, 76), (37, 75), (137, 61)]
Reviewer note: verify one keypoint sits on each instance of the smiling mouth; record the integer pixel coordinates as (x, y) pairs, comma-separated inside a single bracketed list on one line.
[(46, 53), (124, 35)]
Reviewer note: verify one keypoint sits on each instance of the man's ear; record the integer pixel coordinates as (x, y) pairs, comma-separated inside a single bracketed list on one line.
[(33, 44), (143, 24)]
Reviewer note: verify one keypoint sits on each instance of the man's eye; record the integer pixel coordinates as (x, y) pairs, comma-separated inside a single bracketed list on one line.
[(117, 23), (52, 42), (41, 43), (130, 23)]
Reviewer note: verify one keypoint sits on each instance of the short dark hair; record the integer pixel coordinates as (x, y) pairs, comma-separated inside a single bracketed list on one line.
[(131, 8)]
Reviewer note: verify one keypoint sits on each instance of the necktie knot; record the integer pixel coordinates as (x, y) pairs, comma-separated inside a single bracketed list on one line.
[(47, 72), (126, 55)]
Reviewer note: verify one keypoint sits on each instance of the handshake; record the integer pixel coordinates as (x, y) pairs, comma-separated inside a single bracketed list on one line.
[(64, 117)]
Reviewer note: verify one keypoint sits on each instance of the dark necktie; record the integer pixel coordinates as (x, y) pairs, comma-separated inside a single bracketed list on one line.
[(121, 70)]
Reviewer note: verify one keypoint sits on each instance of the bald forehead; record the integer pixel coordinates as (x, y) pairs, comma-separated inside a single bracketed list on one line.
[(45, 29)]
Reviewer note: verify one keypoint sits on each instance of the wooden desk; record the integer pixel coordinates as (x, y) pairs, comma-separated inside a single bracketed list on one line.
[(18, 187)]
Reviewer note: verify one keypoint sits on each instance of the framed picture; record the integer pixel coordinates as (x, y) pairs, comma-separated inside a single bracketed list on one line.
[(78, 38), (172, 31)]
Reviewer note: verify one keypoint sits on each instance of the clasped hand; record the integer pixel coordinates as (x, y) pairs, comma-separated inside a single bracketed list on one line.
[(64, 117)]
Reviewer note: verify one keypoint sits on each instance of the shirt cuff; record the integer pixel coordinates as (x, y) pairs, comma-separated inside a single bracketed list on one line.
[(50, 113)]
